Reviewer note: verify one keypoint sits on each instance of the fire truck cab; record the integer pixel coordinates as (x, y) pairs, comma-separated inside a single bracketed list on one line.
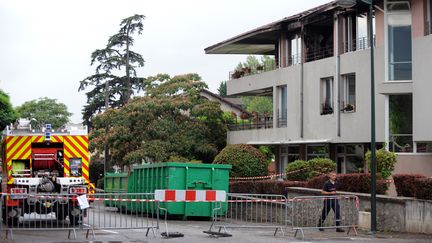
[(40, 162)]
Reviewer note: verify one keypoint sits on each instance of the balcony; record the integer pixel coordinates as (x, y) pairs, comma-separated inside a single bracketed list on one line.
[(252, 123), (357, 44)]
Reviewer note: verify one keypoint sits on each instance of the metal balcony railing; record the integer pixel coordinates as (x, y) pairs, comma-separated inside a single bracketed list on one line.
[(313, 54), (252, 123), (282, 119)]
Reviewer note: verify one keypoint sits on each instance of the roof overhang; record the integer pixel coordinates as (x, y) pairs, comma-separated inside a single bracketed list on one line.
[(263, 40), (313, 141)]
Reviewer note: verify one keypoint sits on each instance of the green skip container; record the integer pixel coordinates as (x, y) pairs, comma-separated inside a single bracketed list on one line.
[(180, 176), (115, 183)]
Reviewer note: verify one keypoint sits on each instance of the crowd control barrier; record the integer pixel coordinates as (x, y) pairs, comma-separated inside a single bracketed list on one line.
[(338, 212), (69, 212), (250, 211)]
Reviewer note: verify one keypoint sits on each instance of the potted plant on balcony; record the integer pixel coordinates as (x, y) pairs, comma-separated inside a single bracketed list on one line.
[(349, 108), (326, 109)]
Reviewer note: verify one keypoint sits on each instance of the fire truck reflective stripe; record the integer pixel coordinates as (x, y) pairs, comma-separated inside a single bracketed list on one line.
[(56, 139), (15, 144), (38, 139), (82, 143), (76, 150), (16, 152)]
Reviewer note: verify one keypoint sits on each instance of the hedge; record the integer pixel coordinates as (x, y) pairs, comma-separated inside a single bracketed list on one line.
[(423, 190), (263, 187), (356, 182), (406, 184)]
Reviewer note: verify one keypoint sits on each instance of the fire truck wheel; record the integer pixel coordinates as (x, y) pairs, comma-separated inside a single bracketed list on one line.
[(74, 216), (10, 216), (61, 213)]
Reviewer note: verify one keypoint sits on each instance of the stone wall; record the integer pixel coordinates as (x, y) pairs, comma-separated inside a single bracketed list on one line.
[(399, 214)]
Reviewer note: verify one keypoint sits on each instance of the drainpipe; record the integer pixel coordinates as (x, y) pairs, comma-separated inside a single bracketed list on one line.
[(301, 78), (338, 85)]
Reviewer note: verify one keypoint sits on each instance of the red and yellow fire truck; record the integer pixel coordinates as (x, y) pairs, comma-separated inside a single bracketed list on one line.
[(43, 161)]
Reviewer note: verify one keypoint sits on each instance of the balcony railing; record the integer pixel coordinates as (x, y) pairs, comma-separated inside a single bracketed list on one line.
[(249, 71), (357, 44), (313, 54), (282, 119), (252, 123)]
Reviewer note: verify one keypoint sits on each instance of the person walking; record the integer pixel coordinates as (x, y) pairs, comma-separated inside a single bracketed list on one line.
[(329, 189)]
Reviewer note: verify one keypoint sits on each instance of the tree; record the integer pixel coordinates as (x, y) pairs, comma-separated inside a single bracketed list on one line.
[(222, 90), (45, 111), (245, 159), (115, 57), (170, 120), (261, 104), (7, 113)]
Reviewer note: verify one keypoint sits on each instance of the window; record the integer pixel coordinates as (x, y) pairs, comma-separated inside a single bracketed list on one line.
[(425, 147), (293, 153), (283, 106), (399, 41), (317, 151), (295, 50), (350, 158), (348, 93), (400, 119), (327, 96)]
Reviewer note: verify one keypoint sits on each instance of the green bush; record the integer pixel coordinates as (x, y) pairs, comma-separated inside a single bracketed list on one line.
[(385, 162), (245, 160), (320, 166), (302, 175)]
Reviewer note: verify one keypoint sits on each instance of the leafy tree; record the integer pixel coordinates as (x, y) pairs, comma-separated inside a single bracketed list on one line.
[(245, 159), (260, 104), (169, 121), (115, 57), (222, 90), (7, 113), (45, 111)]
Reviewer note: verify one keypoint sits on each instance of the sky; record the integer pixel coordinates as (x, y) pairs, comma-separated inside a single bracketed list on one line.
[(45, 45)]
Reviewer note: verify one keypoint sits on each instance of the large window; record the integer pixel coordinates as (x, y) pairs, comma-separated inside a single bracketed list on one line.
[(295, 57), (348, 93), (283, 106), (327, 96), (350, 158), (400, 119), (399, 41)]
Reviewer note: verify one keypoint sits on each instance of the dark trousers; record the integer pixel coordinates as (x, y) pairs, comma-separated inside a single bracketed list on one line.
[(330, 204)]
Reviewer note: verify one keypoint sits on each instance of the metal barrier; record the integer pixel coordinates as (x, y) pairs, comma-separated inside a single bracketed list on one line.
[(63, 212), (324, 212), (250, 211)]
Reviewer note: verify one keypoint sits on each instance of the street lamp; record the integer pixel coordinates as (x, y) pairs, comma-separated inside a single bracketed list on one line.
[(349, 4)]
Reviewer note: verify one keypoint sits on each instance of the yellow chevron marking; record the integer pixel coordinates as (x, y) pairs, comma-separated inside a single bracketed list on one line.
[(82, 141), (16, 146), (76, 152), (19, 154)]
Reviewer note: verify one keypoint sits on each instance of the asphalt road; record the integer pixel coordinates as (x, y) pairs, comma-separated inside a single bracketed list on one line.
[(192, 231)]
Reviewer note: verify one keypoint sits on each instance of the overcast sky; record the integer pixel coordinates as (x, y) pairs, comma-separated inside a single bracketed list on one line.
[(45, 45)]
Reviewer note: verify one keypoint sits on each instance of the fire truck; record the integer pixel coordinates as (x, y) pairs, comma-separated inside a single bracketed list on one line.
[(39, 162)]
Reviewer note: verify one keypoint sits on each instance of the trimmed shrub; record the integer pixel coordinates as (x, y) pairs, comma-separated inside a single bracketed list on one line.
[(423, 190), (245, 160), (302, 175), (320, 166), (263, 187), (406, 184), (356, 182), (385, 162)]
